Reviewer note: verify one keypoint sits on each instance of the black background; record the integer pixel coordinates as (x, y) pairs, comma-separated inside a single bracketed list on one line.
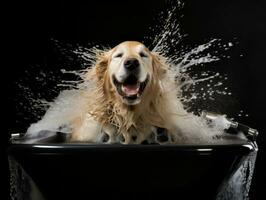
[(32, 24)]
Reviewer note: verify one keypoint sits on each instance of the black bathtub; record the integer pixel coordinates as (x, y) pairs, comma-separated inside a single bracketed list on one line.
[(48, 168)]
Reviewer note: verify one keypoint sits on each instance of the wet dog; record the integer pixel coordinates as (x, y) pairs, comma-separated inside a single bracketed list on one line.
[(132, 99)]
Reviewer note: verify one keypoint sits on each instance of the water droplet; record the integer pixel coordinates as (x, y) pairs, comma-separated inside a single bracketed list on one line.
[(230, 44)]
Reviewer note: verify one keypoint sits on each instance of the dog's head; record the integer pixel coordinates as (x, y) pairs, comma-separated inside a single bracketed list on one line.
[(130, 68)]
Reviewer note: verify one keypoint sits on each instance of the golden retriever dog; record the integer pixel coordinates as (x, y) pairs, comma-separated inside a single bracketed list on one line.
[(132, 99)]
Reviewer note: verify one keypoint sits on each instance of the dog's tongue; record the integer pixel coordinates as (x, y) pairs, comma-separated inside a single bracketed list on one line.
[(130, 90)]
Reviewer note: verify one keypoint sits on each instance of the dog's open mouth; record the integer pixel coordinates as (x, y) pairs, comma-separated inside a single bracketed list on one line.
[(131, 88)]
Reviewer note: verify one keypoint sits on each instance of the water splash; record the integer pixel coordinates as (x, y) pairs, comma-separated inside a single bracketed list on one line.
[(192, 65), (199, 85)]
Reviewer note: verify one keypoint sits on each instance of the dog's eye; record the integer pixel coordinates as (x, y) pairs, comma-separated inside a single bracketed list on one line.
[(118, 55), (143, 55)]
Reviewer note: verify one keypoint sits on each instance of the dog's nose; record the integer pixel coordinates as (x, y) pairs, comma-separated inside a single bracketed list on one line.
[(131, 64)]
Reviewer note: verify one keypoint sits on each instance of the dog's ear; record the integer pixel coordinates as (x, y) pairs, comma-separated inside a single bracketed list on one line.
[(101, 64), (97, 71), (159, 64)]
